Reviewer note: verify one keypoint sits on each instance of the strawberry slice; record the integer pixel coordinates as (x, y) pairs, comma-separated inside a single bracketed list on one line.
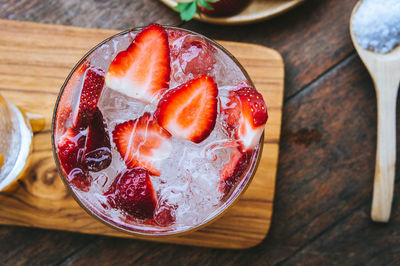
[(142, 143), (246, 115), (64, 109), (97, 148), (90, 94), (70, 151), (143, 70), (190, 110), (132, 192), (62, 116), (233, 170)]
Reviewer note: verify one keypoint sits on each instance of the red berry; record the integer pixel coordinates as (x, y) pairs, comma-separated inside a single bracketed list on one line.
[(143, 70), (132, 192), (97, 148), (63, 115), (70, 153), (190, 110), (142, 143), (234, 170), (64, 109), (90, 94), (246, 115), (80, 179)]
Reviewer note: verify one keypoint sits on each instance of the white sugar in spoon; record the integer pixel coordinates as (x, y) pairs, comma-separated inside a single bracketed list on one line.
[(385, 72)]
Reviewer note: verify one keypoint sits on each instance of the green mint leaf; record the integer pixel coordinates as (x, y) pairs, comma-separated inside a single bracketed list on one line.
[(204, 4), (180, 7), (189, 11)]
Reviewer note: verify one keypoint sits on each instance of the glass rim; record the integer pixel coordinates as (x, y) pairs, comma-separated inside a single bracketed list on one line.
[(153, 234)]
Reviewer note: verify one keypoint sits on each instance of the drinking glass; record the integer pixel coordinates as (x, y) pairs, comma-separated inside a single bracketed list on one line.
[(15, 143), (87, 200)]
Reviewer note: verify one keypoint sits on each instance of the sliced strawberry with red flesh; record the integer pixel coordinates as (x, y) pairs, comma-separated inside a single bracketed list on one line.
[(253, 106), (190, 110), (143, 70), (132, 192), (97, 148), (62, 116), (65, 104), (142, 143), (246, 114), (90, 94), (70, 152), (70, 149), (233, 170)]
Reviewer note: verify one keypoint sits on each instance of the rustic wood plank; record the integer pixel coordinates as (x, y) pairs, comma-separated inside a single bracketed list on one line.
[(323, 158), (325, 175), (311, 38), (91, 13), (41, 199), (24, 246), (343, 243)]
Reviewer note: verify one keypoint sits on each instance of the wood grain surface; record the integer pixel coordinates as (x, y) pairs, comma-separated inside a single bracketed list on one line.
[(36, 60), (385, 72), (327, 147)]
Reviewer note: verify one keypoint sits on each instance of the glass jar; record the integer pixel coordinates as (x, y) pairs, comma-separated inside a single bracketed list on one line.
[(15, 143)]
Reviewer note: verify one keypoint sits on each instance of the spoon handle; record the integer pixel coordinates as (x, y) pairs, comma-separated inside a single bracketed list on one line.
[(385, 152)]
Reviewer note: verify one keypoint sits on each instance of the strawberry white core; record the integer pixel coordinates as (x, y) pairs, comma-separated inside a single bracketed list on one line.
[(249, 136)]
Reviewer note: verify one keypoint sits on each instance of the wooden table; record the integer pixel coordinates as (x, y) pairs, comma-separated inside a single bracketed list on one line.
[(326, 168)]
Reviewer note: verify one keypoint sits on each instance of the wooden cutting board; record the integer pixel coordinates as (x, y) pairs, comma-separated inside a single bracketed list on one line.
[(36, 58)]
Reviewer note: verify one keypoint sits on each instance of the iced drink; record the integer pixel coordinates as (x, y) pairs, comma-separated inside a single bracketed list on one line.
[(157, 130)]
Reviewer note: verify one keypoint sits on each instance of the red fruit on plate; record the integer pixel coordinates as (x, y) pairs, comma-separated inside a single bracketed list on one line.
[(143, 70), (190, 110), (224, 8), (246, 115), (90, 94), (233, 170), (70, 152), (97, 148), (132, 192), (142, 143)]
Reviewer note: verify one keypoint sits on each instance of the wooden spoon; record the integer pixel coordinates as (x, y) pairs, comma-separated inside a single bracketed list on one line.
[(385, 72)]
